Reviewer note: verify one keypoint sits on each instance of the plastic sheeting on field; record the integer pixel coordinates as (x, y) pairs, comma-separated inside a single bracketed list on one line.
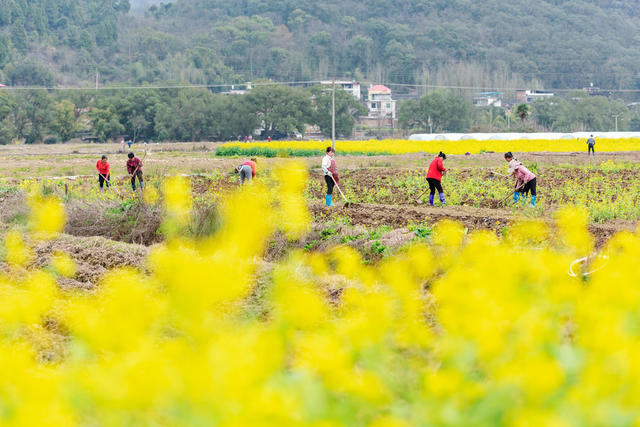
[(519, 136)]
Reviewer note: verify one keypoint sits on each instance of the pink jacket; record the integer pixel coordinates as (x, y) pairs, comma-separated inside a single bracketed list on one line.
[(523, 175)]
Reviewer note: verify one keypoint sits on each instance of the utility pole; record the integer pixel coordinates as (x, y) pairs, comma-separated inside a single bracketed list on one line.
[(333, 114), (615, 116), (97, 74)]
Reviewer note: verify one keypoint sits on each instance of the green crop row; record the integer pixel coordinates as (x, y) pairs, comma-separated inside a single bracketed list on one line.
[(231, 151)]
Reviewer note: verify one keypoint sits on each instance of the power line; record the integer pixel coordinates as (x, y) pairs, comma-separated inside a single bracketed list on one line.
[(154, 87), (494, 88), (297, 83)]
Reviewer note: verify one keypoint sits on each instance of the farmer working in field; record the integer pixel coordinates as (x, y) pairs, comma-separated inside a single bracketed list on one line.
[(330, 169), (525, 179), (434, 178), (591, 142), (104, 172), (134, 167), (247, 170)]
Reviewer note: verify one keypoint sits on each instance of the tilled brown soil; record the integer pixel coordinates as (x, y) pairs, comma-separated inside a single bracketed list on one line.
[(398, 186), (93, 256), (138, 223), (473, 218)]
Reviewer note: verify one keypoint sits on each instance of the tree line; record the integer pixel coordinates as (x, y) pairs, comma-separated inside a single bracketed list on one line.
[(151, 114), (443, 111), (35, 116)]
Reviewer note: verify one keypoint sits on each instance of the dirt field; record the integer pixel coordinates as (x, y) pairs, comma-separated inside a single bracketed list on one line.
[(79, 159), (385, 216), (376, 215)]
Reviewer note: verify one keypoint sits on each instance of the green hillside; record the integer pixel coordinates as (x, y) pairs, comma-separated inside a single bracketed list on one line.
[(558, 43), (43, 42)]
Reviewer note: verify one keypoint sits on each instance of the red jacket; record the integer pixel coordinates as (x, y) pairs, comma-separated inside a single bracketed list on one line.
[(436, 168), (103, 168), (133, 165), (253, 167)]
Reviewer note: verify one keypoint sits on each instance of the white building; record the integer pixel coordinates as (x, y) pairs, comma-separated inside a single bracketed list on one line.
[(488, 99), (527, 96), (350, 86), (238, 89), (380, 103)]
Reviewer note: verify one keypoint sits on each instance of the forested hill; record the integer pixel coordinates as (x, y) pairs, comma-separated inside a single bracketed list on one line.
[(560, 43), (56, 41)]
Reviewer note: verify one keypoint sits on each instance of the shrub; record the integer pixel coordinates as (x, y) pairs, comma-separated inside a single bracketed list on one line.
[(51, 139)]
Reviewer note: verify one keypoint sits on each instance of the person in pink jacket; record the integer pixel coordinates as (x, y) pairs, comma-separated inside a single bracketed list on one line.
[(525, 179)]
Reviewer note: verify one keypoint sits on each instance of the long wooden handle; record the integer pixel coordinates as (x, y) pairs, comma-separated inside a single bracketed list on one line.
[(338, 187), (421, 194), (511, 194)]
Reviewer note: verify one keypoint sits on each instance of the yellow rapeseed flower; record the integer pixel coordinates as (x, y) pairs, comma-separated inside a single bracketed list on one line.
[(18, 254), (151, 195), (469, 329), (63, 264), (47, 217)]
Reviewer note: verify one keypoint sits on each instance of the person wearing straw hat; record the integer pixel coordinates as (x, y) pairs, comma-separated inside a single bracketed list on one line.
[(525, 179)]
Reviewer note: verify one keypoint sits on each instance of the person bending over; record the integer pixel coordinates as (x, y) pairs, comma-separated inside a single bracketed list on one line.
[(525, 179), (104, 173), (134, 167), (247, 170), (434, 178)]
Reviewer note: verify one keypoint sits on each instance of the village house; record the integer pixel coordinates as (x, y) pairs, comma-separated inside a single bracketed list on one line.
[(348, 85), (488, 99), (380, 103), (526, 96), (238, 89), (382, 108)]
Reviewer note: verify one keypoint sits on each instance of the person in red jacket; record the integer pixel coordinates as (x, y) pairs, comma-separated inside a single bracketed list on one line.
[(434, 177), (134, 167), (247, 170), (104, 172)]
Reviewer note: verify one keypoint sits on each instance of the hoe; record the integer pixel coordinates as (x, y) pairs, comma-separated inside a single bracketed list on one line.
[(346, 202), (511, 194)]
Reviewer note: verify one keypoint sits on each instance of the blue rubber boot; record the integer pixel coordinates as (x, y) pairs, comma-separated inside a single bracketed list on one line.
[(431, 199), (327, 199), (442, 199), (516, 197), (533, 200)]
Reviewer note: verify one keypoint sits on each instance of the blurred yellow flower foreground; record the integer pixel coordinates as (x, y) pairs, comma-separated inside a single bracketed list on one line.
[(468, 331)]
